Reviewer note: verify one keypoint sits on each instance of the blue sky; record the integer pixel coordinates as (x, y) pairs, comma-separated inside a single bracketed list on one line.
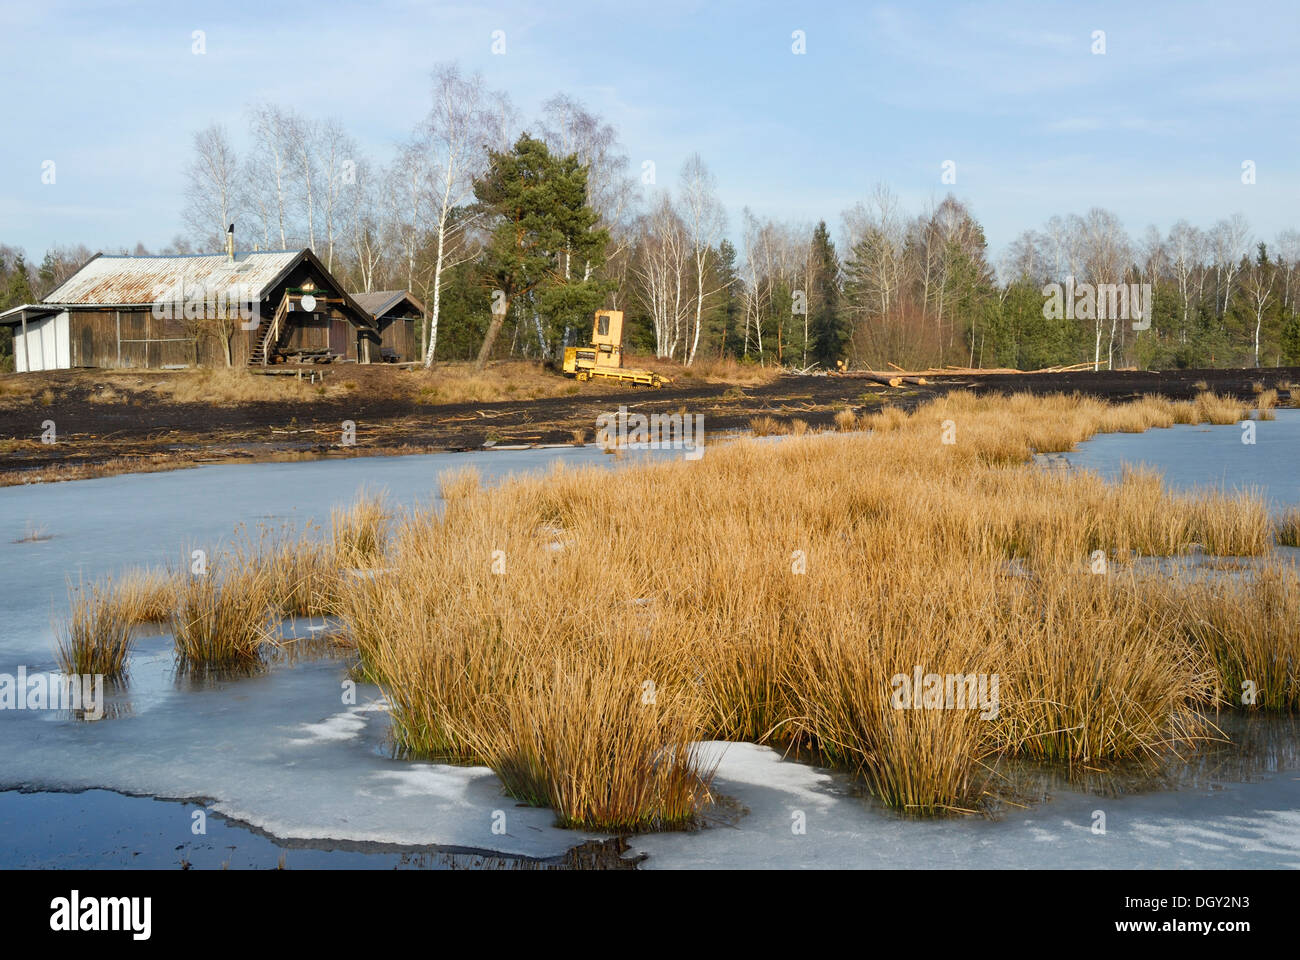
[(1155, 129)]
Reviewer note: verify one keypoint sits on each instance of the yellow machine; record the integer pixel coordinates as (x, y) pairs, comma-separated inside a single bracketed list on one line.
[(604, 357)]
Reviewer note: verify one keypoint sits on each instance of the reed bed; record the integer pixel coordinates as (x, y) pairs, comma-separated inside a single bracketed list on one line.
[(221, 618), (303, 576), (1288, 528), (776, 593), (96, 637), (1213, 408), (359, 534), (148, 596), (583, 630)]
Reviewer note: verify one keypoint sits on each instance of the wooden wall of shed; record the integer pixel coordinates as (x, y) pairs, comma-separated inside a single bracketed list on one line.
[(320, 332), (136, 338), (399, 335)]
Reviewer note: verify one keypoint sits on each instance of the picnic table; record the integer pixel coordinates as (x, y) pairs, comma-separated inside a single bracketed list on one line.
[(313, 356)]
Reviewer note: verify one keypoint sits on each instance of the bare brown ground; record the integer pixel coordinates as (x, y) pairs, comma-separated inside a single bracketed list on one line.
[(109, 422)]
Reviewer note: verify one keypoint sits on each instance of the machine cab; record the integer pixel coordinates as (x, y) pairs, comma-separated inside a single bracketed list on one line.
[(607, 337)]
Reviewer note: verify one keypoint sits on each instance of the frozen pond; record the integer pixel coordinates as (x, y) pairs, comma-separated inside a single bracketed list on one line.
[(281, 761), (1208, 456)]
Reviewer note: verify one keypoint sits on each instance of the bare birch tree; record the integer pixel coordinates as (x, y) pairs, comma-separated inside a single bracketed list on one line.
[(365, 229), (1259, 281), (458, 125), (339, 172), (213, 188), (705, 223), (661, 270), (1230, 241), (274, 136)]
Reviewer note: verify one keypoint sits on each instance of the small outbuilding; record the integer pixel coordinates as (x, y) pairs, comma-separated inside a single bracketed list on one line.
[(395, 313), (252, 308)]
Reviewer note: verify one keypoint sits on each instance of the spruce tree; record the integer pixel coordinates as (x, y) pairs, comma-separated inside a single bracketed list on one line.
[(828, 330), (19, 289)]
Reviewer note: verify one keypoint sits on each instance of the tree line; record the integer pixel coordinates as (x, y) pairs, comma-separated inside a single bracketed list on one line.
[(513, 233)]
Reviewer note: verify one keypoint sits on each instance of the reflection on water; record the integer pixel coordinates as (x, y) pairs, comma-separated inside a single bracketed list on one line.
[(1253, 746), (102, 828), (154, 670)]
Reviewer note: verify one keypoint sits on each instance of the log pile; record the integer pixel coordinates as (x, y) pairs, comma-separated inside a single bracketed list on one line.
[(897, 376)]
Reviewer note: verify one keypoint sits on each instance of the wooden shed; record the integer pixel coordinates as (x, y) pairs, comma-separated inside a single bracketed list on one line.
[(242, 308), (395, 313)]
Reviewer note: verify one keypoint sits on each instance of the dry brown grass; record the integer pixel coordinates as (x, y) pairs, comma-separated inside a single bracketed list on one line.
[(16, 387), (718, 370), (148, 596), (359, 534), (1218, 409), (503, 380), (221, 619), (775, 593), (304, 576), (1248, 630), (624, 760), (96, 637), (222, 386), (1288, 528), (1265, 404), (767, 426), (954, 557), (846, 420)]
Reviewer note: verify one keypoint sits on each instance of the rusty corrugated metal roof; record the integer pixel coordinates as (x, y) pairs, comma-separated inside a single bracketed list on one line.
[(119, 281)]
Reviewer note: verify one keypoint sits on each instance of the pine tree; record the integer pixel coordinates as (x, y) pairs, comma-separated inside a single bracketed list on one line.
[(544, 248)]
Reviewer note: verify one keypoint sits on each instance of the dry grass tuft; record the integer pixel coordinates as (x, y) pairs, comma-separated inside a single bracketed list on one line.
[(767, 427), (304, 577), (846, 420), (1217, 409), (360, 533), (96, 638), (148, 596), (221, 619), (1288, 528)]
